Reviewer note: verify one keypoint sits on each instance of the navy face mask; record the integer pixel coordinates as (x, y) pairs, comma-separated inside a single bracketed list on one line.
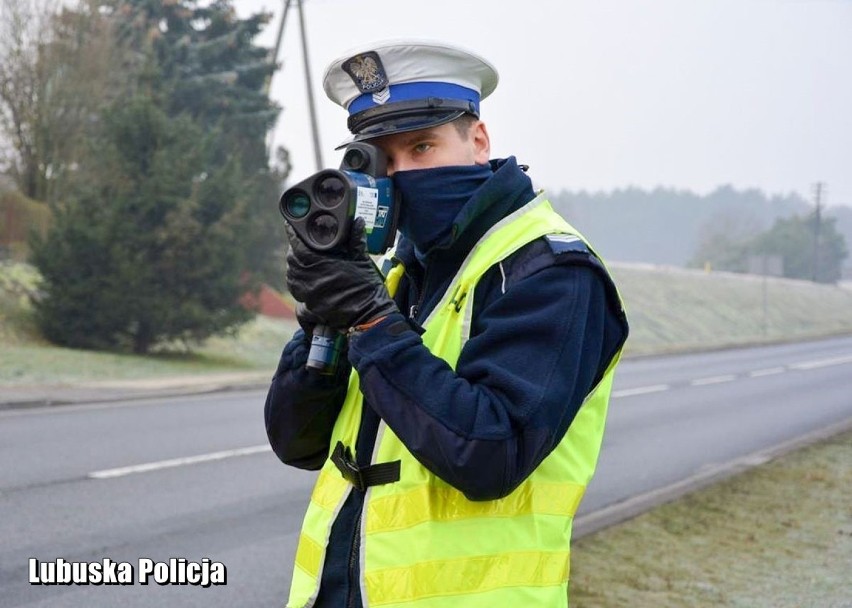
[(433, 198)]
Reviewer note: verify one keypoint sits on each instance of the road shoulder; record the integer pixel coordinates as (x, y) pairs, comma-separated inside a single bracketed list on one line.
[(777, 535)]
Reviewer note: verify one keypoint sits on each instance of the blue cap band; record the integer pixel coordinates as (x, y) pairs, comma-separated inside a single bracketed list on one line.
[(417, 90)]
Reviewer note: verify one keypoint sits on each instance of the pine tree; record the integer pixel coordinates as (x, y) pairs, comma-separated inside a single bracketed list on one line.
[(208, 67), (163, 228)]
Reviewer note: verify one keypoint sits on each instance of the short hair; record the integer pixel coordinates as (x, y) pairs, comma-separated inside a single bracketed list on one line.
[(464, 123)]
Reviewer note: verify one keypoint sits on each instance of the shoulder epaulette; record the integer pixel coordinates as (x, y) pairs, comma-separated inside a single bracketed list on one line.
[(566, 243)]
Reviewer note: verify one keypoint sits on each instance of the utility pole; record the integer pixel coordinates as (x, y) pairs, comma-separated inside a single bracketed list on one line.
[(278, 38), (817, 221), (308, 84), (309, 88)]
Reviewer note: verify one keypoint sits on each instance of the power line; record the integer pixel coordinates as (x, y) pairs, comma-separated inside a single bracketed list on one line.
[(309, 88), (308, 84)]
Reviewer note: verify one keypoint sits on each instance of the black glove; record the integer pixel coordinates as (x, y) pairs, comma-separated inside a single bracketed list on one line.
[(344, 289)]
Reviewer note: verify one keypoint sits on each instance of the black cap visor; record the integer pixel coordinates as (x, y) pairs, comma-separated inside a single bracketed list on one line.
[(404, 116)]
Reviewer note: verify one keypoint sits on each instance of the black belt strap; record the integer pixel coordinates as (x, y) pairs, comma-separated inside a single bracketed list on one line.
[(363, 477)]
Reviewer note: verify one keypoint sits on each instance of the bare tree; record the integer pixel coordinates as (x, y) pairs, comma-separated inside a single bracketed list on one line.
[(59, 67), (24, 31)]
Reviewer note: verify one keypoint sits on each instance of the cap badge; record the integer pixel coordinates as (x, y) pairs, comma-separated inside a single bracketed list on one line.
[(367, 71)]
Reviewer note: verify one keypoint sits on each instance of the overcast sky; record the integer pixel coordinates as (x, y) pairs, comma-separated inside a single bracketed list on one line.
[(604, 94)]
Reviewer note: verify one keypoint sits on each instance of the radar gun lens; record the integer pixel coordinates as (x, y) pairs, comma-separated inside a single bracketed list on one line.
[(355, 159), (331, 191), (323, 229), (297, 204)]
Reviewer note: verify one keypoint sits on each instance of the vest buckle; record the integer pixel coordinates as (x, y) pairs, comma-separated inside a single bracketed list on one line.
[(363, 477)]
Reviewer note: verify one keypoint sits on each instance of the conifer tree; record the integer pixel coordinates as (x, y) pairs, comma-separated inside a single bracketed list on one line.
[(169, 218)]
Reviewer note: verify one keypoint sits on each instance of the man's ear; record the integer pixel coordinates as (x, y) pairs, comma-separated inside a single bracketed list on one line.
[(481, 143)]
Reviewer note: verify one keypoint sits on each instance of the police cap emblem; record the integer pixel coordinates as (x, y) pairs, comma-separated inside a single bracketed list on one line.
[(367, 72)]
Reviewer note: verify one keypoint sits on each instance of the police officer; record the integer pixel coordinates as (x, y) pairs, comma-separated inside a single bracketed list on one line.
[(459, 433)]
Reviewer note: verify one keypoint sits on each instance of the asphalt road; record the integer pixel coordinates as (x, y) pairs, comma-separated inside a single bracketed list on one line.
[(191, 477)]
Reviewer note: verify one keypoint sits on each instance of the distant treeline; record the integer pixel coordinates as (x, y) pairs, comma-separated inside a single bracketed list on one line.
[(667, 226)]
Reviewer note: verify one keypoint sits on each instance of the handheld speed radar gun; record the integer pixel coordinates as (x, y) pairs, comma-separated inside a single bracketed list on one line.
[(321, 209)]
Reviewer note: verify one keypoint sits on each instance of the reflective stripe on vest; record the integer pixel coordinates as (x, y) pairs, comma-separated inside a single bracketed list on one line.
[(423, 544)]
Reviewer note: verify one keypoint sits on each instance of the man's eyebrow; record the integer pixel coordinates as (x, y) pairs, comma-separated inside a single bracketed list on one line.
[(418, 136)]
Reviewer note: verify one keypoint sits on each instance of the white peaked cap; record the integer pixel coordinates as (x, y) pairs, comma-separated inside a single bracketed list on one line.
[(404, 85)]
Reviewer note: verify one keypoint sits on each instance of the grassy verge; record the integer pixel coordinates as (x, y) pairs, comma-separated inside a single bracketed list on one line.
[(675, 309), (256, 348), (776, 536), (27, 359)]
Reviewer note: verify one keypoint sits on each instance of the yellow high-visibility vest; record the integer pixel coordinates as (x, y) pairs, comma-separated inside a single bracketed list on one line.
[(423, 544)]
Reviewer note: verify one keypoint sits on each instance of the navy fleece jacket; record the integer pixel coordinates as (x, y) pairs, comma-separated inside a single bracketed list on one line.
[(545, 324), (534, 353)]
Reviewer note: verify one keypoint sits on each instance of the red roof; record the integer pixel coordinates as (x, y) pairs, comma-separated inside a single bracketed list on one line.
[(270, 303)]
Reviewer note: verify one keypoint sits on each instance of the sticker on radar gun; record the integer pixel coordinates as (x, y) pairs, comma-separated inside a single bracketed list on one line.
[(382, 217), (367, 206)]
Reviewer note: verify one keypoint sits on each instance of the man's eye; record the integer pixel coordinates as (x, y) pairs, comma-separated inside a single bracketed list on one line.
[(420, 148)]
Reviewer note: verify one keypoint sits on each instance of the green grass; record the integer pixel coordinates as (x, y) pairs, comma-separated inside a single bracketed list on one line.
[(17, 283), (675, 310), (256, 348), (670, 310), (774, 537)]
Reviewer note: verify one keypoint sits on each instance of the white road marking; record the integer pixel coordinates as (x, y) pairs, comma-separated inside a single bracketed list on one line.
[(821, 363), (177, 462), (713, 380), (642, 390), (769, 371)]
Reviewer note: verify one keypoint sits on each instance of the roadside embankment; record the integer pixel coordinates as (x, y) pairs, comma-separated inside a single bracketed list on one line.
[(678, 309), (670, 310)]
